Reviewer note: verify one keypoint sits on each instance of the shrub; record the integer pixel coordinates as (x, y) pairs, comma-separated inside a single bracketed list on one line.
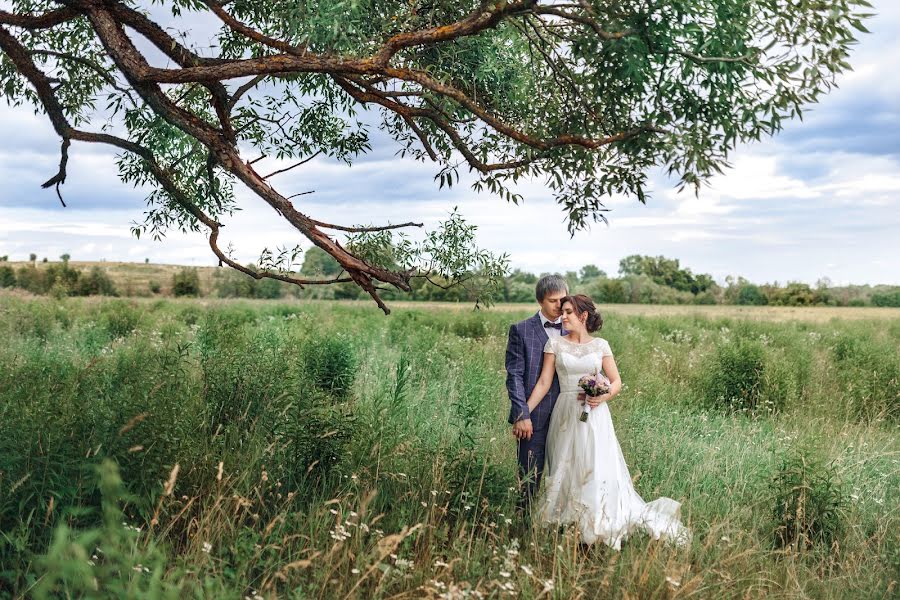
[(63, 276), (130, 566), (733, 377), (314, 436), (154, 286), (870, 377), (750, 294), (330, 363), (478, 482), (809, 502), (186, 282), (472, 326), (705, 298), (7, 277), (239, 372), (120, 318), (30, 279), (95, 283), (886, 299)]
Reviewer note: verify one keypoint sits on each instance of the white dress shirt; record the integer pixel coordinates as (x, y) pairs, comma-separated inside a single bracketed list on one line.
[(553, 332)]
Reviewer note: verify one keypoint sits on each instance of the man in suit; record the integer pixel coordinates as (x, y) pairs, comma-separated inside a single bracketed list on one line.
[(524, 357)]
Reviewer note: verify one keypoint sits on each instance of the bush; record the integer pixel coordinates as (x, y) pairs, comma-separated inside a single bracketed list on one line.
[(870, 377), (733, 377), (608, 291), (154, 286), (809, 503), (130, 567), (95, 283), (240, 374), (330, 363), (886, 299), (186, 282), (30, 279), (7, 277), (314, 437), (751, 295), (472, 326), (120, 318)]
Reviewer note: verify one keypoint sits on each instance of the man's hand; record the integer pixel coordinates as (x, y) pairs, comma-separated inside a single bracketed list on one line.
[(522, 429)]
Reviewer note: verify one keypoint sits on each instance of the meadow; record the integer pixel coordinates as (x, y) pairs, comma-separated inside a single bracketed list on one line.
[(285, 449)]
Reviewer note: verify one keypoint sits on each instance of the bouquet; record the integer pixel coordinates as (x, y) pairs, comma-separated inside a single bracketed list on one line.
[(593, 385)]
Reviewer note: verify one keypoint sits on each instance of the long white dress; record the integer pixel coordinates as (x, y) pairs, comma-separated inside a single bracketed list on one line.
[(586, 480)]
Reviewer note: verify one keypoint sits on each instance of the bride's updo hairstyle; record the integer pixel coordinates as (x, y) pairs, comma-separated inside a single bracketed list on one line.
[(583, 304)]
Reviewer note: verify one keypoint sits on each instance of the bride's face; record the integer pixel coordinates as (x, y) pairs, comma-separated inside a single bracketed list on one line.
[(570, 320)]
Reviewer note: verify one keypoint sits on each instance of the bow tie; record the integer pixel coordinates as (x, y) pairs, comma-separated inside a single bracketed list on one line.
[(548, 325)]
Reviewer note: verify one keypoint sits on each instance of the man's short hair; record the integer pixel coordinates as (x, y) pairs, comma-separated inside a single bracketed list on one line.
[(548, 284)]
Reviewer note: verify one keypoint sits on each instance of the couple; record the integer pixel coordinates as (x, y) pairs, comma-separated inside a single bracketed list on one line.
[(586, 480)]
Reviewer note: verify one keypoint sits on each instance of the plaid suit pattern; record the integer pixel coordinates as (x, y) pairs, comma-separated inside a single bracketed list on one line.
[(524, 359)]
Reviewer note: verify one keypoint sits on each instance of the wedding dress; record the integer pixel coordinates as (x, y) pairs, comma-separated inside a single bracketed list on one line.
[(586, 480)]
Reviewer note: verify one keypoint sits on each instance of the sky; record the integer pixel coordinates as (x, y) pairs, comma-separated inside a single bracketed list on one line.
[(821, 199)]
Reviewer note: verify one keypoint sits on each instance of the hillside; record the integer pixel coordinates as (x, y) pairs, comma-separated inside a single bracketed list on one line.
[(134, 279)]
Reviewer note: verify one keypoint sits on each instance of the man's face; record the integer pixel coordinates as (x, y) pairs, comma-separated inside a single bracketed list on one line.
[(550, 304)]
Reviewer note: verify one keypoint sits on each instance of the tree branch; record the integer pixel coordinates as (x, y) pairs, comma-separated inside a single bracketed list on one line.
[(365, 229), (302, 162), (42, 21)]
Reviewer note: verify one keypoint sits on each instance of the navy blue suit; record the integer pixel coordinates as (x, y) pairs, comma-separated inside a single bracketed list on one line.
[(524, 358)]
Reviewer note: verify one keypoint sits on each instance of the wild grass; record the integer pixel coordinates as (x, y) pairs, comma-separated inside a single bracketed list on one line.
[(163, 449)]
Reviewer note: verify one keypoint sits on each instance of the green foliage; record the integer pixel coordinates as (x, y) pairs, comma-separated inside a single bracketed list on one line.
[(665, 271), (472, 326), (186, 282), (112, 560), (330, 363), (886, 299), (810, 503), (233, 284), (609, 291), (589, 272), (752, 295), (447, 258), (121, 318), (318, 263), (733, 377), (7, 277), (314, 434), (797, 294), (95, 283), (870, 377)]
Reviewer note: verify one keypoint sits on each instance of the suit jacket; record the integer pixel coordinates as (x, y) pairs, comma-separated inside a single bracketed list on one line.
[(524, 358)]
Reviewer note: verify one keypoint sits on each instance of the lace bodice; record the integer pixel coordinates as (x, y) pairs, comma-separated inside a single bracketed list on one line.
[(575, 360)]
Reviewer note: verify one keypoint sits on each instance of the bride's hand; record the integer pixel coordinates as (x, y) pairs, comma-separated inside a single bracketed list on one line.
[(595, 401)]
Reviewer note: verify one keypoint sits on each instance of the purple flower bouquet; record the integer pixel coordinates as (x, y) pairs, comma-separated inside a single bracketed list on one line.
[(593, 385)]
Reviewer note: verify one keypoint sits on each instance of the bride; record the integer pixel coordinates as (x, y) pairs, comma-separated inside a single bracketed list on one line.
[(586, 480)]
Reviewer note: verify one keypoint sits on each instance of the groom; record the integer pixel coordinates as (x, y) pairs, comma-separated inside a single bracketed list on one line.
[(524, 357)]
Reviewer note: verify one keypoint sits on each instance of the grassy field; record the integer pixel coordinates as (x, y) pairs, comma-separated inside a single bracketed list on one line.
[(215, 449)]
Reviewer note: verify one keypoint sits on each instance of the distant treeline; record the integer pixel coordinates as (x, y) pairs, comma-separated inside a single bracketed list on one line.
[(57, 279), (640, 280)]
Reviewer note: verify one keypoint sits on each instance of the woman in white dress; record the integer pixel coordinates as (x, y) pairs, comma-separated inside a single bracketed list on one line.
[(586, 480)]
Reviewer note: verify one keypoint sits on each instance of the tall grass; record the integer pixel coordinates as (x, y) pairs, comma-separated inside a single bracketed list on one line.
[(252, 449)]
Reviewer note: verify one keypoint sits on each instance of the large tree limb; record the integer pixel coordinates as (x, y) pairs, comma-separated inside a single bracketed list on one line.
[(42, 21)]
